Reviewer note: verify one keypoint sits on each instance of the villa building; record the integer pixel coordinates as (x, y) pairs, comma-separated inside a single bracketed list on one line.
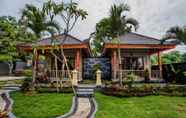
[(135, 51), (74, 49)]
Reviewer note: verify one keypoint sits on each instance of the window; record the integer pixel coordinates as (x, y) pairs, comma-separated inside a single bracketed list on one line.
[(132, 63)]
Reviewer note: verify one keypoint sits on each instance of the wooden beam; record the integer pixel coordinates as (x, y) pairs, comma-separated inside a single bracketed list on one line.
[(46, 47), (139, 46)]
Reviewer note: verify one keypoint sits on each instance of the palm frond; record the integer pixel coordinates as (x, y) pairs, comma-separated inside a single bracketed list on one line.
[(133, 22), (53, 24)]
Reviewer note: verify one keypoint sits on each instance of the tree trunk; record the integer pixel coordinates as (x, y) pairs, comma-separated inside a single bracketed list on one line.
[(119, 58), (56, 74)]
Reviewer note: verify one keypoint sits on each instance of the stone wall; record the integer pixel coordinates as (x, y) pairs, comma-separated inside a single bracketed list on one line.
[(4, 69), (104, 63)]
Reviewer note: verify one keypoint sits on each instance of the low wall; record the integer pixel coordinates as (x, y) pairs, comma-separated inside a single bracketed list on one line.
[(4, 69)]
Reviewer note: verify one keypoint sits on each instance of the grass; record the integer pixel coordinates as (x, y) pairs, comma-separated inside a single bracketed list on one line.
[(141, 107), (41, 105)]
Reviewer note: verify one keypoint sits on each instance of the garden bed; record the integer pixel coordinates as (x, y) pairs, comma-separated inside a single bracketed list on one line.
[(145, 90), (41, 105)]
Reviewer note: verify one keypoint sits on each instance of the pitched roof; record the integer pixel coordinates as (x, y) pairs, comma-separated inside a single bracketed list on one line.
[(134, 38), (60, 39)]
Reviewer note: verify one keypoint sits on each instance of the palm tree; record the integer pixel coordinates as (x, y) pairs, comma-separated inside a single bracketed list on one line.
[(178, 33), (35, 20), (115, 25)]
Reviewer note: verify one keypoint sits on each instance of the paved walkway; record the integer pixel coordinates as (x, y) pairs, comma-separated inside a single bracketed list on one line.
[(83, 108)]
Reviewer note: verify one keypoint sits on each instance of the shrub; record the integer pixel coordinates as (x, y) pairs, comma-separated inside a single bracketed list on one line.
[(130, 80), (27, 73), (27, 84), (144, 90), (146, 75)]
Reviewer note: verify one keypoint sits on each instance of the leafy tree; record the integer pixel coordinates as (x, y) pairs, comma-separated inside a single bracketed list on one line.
[(11, 33), (168, 58)]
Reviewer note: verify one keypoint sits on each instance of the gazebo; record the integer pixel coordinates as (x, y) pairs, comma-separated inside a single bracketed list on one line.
[(51, 48), (135, 50)]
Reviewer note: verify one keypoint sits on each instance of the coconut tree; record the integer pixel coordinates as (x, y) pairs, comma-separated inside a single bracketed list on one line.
[(176, 32), (115, 25), (35, 20)]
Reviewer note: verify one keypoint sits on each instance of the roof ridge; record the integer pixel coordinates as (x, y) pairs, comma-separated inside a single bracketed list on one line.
[(55, 36)]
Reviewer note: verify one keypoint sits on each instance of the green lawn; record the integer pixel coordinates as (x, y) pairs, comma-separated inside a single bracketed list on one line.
[(44, 105), (141, 107)]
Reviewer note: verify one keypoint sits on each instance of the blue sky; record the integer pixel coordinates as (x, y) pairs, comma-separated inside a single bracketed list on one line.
[(154, 16)]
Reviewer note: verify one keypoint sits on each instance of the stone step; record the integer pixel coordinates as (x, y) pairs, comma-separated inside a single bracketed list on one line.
[(85, 90), (10, 88), (84, 94), (11, 85), (86, 86)]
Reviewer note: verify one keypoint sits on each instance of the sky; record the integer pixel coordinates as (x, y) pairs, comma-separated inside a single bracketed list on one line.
[(155, 16)]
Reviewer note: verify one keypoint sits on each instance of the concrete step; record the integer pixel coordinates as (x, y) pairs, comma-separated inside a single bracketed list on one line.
[(11, 85), (84, 94), (85, 90), (86, 86)]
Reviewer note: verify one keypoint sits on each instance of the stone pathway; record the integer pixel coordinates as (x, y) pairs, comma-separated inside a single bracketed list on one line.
[(6, 102), (84, 105), (83, 108)]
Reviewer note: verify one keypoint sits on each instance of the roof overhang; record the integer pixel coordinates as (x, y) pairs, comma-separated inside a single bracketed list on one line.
[(158, 47), (26, 48)]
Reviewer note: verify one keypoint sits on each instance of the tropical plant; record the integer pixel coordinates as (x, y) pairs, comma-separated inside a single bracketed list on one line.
[(168, 58), (116, 24), (35, 20), (175, 73), (112, 27)]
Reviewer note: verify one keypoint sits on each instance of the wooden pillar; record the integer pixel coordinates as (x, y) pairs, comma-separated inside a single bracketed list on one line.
[(78, 64), (160, 63), (77, 60), (114, 64)]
